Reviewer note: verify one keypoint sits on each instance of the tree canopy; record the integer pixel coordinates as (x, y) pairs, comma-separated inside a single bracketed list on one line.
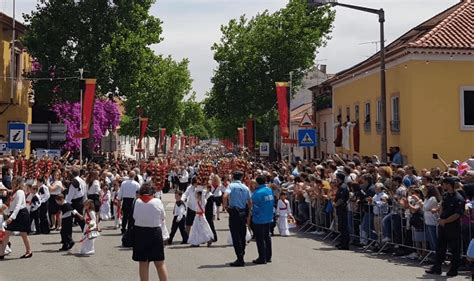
[(253, 54)]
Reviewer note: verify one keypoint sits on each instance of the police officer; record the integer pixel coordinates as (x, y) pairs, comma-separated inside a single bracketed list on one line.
[(449, 230), (262, 217), (340, 203), (236, 200)]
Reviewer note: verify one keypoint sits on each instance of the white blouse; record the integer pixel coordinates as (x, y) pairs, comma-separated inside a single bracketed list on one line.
[(151, 214), (94, 188), (58, 185), (18, 203)]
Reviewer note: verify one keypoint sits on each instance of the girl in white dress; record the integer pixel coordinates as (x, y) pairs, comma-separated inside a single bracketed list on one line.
[(283, 213), (200, 231), (88, 240), (105, 204), (117, 205)]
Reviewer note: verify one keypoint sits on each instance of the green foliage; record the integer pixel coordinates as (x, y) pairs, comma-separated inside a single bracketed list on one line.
[(108, 39), (255, 53), (193, 121)]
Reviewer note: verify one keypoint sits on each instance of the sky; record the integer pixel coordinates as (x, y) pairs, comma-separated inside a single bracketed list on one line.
[(190, 27)]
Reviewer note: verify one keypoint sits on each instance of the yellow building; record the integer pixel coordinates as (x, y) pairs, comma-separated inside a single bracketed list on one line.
[(430, 91), (14, 105)]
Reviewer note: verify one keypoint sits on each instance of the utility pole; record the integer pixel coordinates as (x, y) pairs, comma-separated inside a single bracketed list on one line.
[(12, 63), (81, 73)]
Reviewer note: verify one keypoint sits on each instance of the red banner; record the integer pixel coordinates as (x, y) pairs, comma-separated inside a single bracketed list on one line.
[(87, 106), (143, 127), (250, 134), (162, 138), (183, 142), (241, 136), (282, 93), (173, 141)]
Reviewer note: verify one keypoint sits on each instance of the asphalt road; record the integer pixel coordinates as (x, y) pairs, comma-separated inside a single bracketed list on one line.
[(300, 257)]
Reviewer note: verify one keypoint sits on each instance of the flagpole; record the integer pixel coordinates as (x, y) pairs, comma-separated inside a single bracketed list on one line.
[(81, 73)]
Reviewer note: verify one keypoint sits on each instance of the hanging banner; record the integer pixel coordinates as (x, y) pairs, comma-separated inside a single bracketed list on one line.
[(162, 138), (282, 100), (143, 128), (183, 142), (241, 137), (250, 134), (88, 86), (173, 141)]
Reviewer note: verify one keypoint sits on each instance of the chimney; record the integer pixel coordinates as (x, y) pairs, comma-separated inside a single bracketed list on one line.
[(322, 68)]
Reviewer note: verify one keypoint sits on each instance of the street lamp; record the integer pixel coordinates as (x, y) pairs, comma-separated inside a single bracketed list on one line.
[(383, 90)]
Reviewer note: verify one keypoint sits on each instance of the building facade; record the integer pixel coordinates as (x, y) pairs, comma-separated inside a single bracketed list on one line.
[(15, 101), (430, 91)]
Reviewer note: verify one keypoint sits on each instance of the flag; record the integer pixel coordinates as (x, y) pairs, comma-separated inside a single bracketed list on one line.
[(241, 137), (143, 127), (250, 134), (282, 93), (183, 142), (173, 141), (162, 138), (88, 86)]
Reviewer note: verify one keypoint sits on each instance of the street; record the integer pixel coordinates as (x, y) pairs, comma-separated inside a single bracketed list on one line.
[(295, 258)]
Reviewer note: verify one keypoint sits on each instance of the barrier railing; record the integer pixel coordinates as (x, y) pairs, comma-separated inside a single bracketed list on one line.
[(386, 229)]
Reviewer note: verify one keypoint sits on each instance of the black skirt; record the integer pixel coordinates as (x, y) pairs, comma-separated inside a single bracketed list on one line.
[(96, 199), (53, 207), (148, 244), (21, 223)]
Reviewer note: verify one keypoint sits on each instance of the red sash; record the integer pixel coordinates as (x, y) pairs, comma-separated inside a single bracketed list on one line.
[(201, 209)]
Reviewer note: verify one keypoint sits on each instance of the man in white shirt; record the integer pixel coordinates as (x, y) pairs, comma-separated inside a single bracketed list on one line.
[(140, 177), (76, 193), (189, 197), (128, 193), (44, 195), (183, 176)]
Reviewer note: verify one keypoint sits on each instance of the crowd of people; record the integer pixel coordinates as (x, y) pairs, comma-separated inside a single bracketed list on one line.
[(361, 201)]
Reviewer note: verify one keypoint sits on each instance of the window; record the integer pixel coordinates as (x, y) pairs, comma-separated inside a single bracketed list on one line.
[(356, 112), (395, 122), (378, 122), (467, 108), (367, 117), (340, 112), (348, 113), (18, 69)]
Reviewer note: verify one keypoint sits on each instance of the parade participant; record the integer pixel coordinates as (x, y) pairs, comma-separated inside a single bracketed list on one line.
[(200, 231), (43, 191), (19, 219), (3, 207), (283, 212), (127, 194), (67, 213), (340, 203), (189, 197), (116, 203), (105, 203), (217, 191), (148, 215), (93, 189), (210, 210), (90, 231), (179, 219), (55, 189), (33, 202), (262, 218), (449, 230), (76, 193), (183, 177), (237, 202)]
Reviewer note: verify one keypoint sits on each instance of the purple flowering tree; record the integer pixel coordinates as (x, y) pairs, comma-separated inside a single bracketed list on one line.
[(106, 115)]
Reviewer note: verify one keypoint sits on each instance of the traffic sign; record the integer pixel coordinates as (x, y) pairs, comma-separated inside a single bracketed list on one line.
[(290, 141), (4, 150), (41, 128), (306, 121), (307, 138), (52, 153), (16, 135)]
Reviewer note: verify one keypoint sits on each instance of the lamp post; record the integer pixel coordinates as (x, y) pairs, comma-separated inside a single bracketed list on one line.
[(383, 90)]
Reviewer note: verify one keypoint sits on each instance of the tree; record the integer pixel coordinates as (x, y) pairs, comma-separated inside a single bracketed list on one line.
[(193, 121), (109, 39), (255, 53)]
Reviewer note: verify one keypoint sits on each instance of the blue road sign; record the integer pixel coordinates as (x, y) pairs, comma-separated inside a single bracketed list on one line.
[(307, 138), (16, 135)]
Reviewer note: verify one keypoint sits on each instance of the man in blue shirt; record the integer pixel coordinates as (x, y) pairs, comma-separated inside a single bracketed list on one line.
[(262, 217), (237, 202)]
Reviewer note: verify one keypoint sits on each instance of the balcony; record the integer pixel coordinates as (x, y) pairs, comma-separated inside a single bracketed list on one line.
[(367, 126), (395, 126)]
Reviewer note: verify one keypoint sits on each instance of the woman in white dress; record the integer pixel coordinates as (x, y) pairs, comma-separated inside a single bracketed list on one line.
[(200, 231), (105, 203), (88, 240)]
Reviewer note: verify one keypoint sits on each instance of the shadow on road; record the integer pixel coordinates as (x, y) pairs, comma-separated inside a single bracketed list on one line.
[(226, 265)]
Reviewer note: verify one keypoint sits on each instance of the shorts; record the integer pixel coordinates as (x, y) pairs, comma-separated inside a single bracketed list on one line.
[(148, 244)]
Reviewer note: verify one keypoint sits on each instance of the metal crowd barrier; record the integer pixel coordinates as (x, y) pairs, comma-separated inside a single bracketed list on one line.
[(402, 235)]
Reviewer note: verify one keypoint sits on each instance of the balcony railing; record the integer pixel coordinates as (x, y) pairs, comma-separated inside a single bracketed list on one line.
[(367, 126), (395, 125)]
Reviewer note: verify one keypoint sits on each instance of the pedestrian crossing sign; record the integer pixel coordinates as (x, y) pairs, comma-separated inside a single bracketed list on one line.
[(307, 138)]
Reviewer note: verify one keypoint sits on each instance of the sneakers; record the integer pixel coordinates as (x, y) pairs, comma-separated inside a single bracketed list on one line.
[(386, 239), (237, 264)]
